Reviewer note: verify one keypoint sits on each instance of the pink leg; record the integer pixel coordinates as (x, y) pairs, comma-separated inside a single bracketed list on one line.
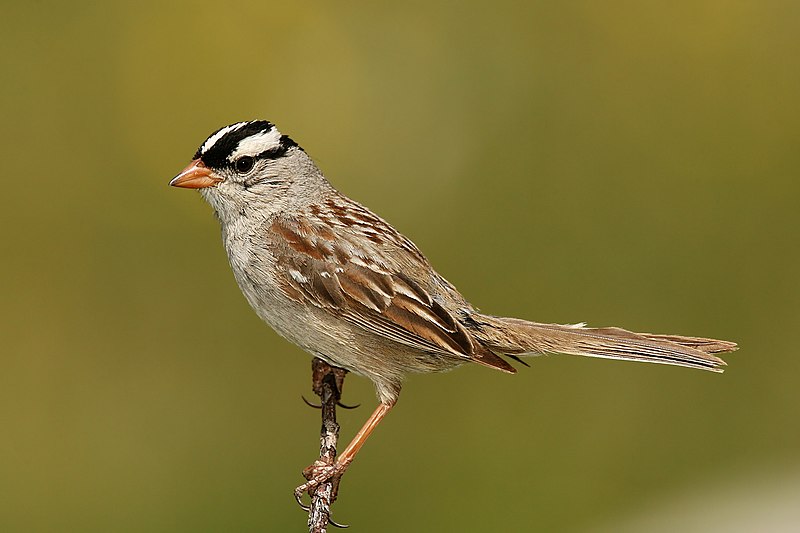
[(319, 472)]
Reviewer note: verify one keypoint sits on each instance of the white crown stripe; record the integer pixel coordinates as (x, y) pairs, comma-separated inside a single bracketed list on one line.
[(211, 141), (257, 143)]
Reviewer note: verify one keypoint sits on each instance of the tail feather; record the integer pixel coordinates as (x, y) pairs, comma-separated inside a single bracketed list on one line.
[(704, 345), (512, 336)]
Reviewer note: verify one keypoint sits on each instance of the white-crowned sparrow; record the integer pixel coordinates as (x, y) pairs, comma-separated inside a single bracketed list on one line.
[(337, 280)]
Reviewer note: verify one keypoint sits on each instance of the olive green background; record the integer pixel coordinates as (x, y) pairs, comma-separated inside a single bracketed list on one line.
[(620, 163)]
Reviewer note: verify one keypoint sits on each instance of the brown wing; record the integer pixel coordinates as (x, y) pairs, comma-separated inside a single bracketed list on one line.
[(354, 265)]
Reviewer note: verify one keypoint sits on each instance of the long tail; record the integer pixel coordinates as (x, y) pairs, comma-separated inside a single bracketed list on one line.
[(514, 337)]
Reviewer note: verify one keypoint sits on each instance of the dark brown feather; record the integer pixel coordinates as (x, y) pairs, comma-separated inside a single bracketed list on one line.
[(364, 287)]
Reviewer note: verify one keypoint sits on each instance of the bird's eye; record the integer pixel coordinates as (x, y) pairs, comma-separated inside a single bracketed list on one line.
[(244, 164)]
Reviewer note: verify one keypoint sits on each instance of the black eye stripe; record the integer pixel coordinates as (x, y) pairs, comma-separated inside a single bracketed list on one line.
[(219, 153), (273, 153), (278, 151)]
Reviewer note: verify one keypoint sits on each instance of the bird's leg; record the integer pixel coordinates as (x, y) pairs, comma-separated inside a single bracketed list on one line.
[(320, 472)]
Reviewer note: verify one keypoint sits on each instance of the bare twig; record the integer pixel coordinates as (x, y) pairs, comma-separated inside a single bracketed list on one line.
[(327, 382)]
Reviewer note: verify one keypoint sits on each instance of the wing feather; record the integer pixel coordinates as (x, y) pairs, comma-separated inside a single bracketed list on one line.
[(317, 268)]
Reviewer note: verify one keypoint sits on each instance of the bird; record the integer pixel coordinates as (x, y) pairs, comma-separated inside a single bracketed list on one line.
[(340, 282)]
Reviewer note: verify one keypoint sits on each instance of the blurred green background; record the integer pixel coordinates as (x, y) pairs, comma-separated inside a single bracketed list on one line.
[(620, 163)]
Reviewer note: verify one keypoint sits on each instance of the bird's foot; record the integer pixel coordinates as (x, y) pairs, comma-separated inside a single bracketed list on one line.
[(317, 473)]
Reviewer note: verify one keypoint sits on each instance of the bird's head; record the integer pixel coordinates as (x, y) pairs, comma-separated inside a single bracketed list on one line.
[(247, 164)]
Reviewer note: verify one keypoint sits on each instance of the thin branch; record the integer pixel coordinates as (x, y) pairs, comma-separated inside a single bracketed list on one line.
[(327, 382)]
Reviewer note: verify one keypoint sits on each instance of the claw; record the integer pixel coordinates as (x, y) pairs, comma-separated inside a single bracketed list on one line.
[(298, 496), (315, 478), (315, 406), (316, 474), (335, 524), (340, 404)]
